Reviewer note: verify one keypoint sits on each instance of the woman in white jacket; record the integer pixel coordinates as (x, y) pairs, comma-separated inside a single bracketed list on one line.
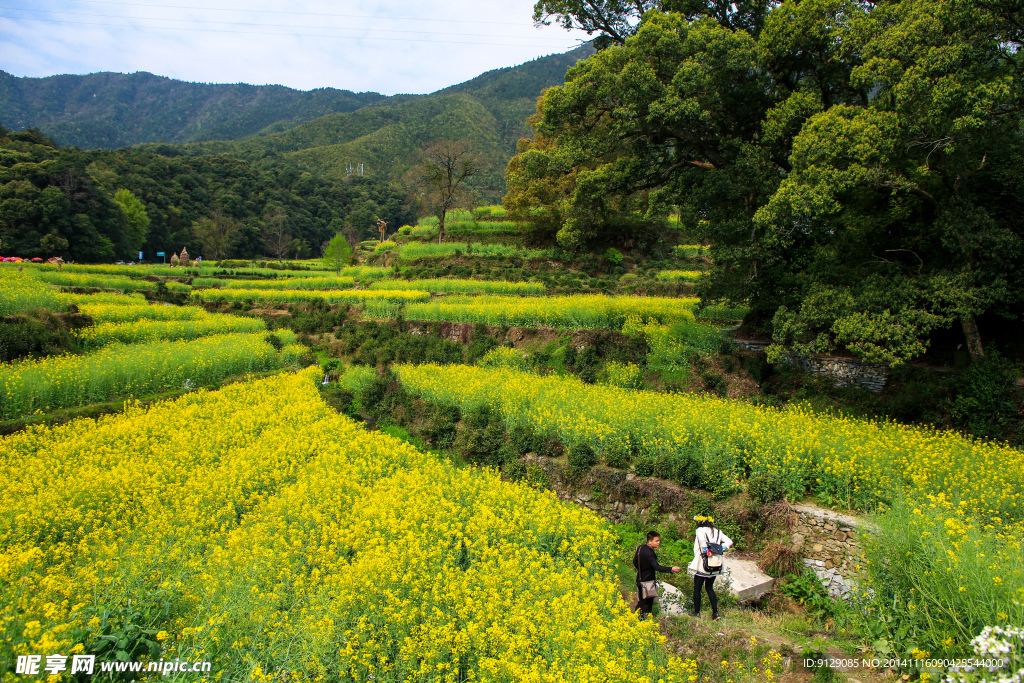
[(706, 533)]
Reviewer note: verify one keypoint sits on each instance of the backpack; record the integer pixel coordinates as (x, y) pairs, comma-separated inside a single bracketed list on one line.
[(711, 555)]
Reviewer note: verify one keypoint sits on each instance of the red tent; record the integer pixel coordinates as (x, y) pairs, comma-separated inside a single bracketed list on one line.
[(37, 260)]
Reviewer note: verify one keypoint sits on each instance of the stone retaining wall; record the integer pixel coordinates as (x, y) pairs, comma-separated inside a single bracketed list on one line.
[(845, 371), (828, 542)]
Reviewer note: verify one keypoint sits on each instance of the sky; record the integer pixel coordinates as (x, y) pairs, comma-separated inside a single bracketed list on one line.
[(385, 46)]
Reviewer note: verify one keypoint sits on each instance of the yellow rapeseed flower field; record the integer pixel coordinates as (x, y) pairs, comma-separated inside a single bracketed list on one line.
[(143, 330), (124, 370), (454, 285), (289, 296), (676, 275), (323, 282), (580, 311), (117, 308), (256, 528), (852, 460), (20, 292)]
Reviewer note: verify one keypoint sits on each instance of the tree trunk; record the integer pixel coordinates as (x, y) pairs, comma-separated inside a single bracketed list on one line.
[(440, 228), (970, 327)]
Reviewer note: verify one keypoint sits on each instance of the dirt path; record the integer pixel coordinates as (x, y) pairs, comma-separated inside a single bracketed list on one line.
[(746, 636)]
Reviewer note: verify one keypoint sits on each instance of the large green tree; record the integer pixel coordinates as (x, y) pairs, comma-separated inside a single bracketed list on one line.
[(337, 254), (852, 164), (136, 218), (218, 233)]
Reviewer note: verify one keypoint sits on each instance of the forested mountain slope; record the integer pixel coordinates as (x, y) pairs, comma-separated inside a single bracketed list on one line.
[(325, 128), (110, 110), (489, 112), (61, 201)]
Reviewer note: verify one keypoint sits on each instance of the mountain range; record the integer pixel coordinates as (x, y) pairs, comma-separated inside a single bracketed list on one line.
[(327, 131)]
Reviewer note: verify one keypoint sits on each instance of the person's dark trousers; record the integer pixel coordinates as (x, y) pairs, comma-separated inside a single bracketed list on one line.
[(643, 606), (709, 583)]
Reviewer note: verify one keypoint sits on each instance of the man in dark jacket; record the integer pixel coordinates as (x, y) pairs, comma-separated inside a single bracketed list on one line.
[(646, 562)]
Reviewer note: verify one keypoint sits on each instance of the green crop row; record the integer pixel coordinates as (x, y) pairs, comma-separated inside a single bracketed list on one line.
[(140, 330), (447, 286), (286, 296), (581, 311), (121, 370), (289, 283)]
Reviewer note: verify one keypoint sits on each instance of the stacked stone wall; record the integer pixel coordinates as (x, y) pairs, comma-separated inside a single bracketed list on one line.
[(829, 545), (845, 371)]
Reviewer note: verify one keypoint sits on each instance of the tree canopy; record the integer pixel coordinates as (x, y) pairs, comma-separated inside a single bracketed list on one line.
[(338, 253), (109, 205), (442, 178), (853, 165)]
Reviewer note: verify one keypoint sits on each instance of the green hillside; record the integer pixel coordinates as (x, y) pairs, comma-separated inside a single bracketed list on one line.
[(489, 111), (60, 201), (510, 94), (325, 130), (384, 139), (110, 110)]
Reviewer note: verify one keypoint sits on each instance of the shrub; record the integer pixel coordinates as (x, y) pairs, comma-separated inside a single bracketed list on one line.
[(645, 466), (581, 456), (617, 456), (274, 341), (438, 424), (381, 396), (719, 470), (482, 438), (766, 487), (341, 399), (525, 440), (587, 357), (983, 397), (627, 376), (714, 382), (757, 366), (504, 357), (480, 342), (23, 336), (515, 470), (570, 356), (614, 256)]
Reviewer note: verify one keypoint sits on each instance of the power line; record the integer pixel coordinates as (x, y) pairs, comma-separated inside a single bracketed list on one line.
[(308, 14), (239, 23), (268, 33)]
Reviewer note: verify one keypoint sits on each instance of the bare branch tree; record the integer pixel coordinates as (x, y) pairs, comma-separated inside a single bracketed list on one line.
[(446, 166), (276, 237)]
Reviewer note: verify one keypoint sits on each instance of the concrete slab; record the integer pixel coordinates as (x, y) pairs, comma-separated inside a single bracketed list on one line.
[(670, 599), (745, 579), (742, 578)]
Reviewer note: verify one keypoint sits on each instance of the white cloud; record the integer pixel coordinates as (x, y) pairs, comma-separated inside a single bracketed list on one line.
[(413, 46)]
